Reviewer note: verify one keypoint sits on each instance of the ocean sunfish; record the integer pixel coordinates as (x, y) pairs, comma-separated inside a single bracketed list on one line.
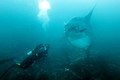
[(78, 31)]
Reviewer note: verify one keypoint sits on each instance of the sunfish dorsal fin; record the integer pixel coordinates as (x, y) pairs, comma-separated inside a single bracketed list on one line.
[(88, 17)]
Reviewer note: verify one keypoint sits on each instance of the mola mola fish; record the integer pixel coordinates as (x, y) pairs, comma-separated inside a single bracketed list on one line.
[(78, 31)]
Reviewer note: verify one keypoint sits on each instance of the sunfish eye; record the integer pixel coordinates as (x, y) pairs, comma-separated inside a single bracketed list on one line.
[(82, 30)]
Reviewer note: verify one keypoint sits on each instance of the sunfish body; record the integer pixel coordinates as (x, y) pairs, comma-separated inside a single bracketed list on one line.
[(78, 31)]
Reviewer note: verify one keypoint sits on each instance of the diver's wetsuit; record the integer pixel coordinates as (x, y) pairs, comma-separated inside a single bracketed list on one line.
[(39, 52)]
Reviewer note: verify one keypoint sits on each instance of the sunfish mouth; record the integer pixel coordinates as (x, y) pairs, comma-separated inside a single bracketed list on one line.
[(82, 43)]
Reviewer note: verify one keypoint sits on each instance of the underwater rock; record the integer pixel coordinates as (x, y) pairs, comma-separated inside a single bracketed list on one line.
[(99, 68), (16, 73), (42, 76)]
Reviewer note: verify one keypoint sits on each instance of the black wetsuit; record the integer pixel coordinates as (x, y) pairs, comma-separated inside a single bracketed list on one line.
[(39, 52)]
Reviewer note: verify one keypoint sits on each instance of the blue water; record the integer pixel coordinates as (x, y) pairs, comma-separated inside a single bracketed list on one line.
[(21, 30)]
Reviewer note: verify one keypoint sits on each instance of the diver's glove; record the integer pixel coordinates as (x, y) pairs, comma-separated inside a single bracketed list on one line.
[(39, 52)]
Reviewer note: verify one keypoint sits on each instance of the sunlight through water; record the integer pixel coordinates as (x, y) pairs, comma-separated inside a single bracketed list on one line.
[(44, 6)]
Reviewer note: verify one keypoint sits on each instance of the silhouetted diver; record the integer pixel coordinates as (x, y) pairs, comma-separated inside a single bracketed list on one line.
[(39, 52)]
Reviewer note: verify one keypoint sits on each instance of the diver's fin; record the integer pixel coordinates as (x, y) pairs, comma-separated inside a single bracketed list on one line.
[(88, 17)]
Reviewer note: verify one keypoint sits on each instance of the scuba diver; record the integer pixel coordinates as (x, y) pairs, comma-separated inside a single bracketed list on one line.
[(39, 52)]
